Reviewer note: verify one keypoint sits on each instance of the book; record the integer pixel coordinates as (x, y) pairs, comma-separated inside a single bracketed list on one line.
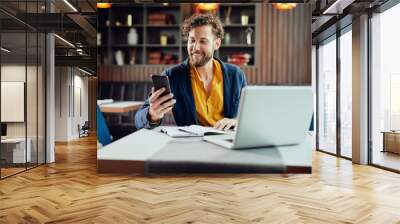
[(192, 131), (239, 59), (199, 130)]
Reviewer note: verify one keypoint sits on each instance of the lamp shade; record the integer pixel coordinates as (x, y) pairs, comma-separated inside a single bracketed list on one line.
[(103, 5), (207, 6), (284, 6)]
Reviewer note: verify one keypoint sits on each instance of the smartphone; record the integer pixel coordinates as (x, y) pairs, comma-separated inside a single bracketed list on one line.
[(160, 81)]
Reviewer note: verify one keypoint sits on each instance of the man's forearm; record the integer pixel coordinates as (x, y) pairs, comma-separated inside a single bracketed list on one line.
[(142, 121)]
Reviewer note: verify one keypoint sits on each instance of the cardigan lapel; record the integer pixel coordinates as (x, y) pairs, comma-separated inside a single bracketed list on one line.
[(187, 88), (227, 84)]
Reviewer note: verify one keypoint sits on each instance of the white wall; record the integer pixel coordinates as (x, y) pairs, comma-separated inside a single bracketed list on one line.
[(15, 73), (34, 124), (70, 83), (82, 83), (61, 103)]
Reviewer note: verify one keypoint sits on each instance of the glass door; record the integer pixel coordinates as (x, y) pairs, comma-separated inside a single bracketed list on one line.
[(22, 68), (345, 41), (15, 149), (326, 101), (385, 89)]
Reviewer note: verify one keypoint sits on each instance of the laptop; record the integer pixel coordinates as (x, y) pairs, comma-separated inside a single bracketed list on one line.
[(270, 116)]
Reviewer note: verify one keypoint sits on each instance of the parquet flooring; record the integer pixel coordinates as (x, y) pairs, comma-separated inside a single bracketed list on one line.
[(71, 191), (387, 159), (10, 171)]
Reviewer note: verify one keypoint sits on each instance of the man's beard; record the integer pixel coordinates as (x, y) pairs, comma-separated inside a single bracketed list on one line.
[(202, 61)]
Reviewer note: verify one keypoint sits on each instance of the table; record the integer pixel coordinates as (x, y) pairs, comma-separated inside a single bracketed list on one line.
[(120, 106), (391, 141), (13, 150), (150, 151)]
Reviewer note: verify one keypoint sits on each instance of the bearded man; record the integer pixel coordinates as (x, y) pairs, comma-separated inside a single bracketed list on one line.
[(204, 90)]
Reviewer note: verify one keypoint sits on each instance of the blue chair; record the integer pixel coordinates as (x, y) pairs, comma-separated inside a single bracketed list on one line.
[(103, 133), (311, 128)]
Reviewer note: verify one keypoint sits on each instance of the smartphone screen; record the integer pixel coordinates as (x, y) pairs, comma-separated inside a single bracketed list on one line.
[(160, 81)]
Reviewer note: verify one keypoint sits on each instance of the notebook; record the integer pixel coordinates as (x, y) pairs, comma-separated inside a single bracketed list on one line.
[(192, 131)]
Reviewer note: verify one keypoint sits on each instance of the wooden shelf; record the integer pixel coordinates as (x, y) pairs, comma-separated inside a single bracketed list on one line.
[(237, 4), (149, 34), (169, 6), (159, 45), (237, 45), (163, 26), (122, 26), (120, 45), (231, 45), (238, 25)]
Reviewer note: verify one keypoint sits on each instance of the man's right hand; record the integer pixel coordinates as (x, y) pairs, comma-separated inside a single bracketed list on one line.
[(159, 105)]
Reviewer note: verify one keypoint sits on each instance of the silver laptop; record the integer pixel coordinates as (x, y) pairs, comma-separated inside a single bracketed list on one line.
[(270, 116)]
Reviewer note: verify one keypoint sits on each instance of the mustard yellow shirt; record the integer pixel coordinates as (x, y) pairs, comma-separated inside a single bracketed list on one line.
[(209, 106)]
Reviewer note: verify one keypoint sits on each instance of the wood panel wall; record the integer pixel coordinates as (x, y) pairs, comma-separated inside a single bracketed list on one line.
[(285, 41), (142, 73), (92, 99), (283, 55)]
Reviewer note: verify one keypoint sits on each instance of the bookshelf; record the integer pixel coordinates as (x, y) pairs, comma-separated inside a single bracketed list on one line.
[(144, 34)]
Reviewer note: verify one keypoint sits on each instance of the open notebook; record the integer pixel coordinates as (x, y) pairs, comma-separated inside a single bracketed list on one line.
[(192, 131)]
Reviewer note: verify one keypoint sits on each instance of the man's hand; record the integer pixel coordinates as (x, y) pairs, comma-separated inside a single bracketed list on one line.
[(159, 105), (225, 124)]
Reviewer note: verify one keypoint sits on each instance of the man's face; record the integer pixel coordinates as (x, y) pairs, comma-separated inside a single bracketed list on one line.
[(201, 45)]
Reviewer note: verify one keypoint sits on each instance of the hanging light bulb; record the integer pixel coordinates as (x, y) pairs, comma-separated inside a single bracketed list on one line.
[(103, 5), (207, 6), (284, 6)]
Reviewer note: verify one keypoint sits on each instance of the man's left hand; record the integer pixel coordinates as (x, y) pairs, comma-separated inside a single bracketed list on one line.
[(225, 124)]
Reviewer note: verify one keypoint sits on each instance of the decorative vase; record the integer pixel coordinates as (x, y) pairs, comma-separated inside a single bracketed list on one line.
[(163, 40), (129, 20), (227, 38), (249, 32), (227, 15), (119, 57), (132, 37), (244, 19), (98, 39)]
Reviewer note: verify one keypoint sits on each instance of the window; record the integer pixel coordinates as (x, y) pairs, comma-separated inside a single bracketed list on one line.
[(327, 96), (22, 75), (346, 93), (385, 88)]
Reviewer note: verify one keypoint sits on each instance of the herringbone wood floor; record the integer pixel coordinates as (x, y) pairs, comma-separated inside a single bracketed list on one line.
[(71, 191)]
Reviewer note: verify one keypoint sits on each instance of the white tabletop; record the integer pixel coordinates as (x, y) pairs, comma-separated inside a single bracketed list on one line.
[(13, 140), (120, 106), (151, 147)]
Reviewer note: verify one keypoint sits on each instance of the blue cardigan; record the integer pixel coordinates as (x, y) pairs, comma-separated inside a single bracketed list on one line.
[(184, 110)]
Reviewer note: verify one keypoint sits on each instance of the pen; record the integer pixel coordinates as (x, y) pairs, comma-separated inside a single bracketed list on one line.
[(186, 131)]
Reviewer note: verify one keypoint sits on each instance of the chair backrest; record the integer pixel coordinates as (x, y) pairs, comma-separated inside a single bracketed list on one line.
[(311, 128), (103, 133), (86, 125)]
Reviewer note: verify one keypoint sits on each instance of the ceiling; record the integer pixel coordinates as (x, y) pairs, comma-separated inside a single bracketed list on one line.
[(332, 15), (79, 27)]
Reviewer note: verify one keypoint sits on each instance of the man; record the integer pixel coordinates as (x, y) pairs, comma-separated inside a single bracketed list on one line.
[(205, 90)]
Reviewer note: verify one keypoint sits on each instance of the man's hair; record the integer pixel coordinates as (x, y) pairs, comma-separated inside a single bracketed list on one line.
[(197, 20)]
